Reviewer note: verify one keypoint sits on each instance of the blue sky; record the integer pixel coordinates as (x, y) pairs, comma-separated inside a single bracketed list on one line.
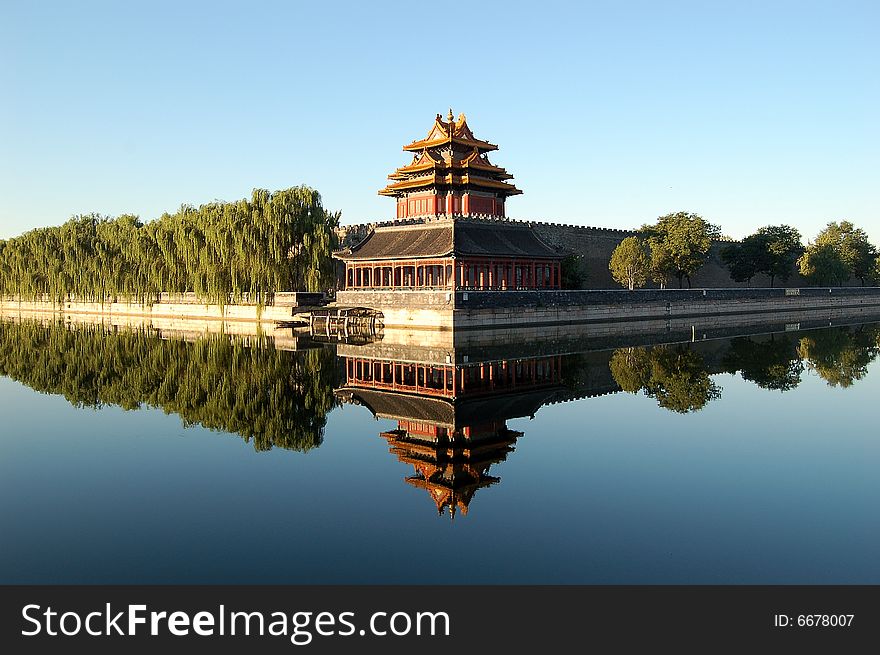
[(607, 113)]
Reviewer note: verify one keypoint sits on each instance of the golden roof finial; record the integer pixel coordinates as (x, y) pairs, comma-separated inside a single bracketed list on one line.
[(451, 116)]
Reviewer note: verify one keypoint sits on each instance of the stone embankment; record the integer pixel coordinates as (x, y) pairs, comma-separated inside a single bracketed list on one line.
[(446, 310)]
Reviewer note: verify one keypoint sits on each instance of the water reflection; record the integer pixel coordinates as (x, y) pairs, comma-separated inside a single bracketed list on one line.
[(840, 356), (452, 419), (452, 407), (675, 375), (269, 397), (771, 362), (602, 487)]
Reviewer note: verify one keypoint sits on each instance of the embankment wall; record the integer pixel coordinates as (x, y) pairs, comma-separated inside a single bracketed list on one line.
[(439, 310)]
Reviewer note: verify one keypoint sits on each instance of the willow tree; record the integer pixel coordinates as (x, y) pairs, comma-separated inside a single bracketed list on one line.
[(221, 251)]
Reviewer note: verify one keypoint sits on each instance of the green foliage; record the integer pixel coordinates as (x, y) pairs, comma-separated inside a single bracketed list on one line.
[(631, 368), (272, 397), (772, 250), (222, 251), (841, 356), (773, 363), (782, 247), (822, 265), (679, 245), (741, 260), (661, 263), (841, 251), (572, 273), (675, 376), (630, 263)]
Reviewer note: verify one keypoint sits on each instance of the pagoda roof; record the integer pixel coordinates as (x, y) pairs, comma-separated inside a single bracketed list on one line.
[(450, 156), (425, 161), (451, 132), (456, 499), (433, 178), (451, 237)]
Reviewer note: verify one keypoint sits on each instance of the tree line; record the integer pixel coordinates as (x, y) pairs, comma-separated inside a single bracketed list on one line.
[(221, 251), (678, 244), (269, 397)]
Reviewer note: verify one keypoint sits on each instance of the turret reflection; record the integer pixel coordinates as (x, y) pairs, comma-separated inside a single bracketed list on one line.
[(452, 418)]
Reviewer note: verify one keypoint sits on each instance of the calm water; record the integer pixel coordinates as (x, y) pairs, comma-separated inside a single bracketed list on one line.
[(126, 457)]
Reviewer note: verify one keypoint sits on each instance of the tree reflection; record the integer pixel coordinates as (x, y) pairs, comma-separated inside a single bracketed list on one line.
[(841, 355), (272, 397), (771, 363), (675, 376)]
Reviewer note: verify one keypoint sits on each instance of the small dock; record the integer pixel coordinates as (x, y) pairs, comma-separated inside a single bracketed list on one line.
[(343, 323)]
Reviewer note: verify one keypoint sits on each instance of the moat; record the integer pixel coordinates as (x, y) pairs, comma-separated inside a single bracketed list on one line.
[(738, 455)]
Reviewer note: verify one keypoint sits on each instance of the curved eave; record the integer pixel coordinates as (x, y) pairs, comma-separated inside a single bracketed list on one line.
[(482, 146), (394, 258), (501, 172), (397, 188), (404, 172), (478, 182)]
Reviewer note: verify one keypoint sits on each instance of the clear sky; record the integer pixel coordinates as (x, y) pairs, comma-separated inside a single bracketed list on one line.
[(607, 113)]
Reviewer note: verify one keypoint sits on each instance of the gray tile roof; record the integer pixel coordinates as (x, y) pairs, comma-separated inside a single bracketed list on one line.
[(444, 238)]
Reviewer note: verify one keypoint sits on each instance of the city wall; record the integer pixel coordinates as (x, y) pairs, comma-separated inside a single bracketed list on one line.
[(593, 247)]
